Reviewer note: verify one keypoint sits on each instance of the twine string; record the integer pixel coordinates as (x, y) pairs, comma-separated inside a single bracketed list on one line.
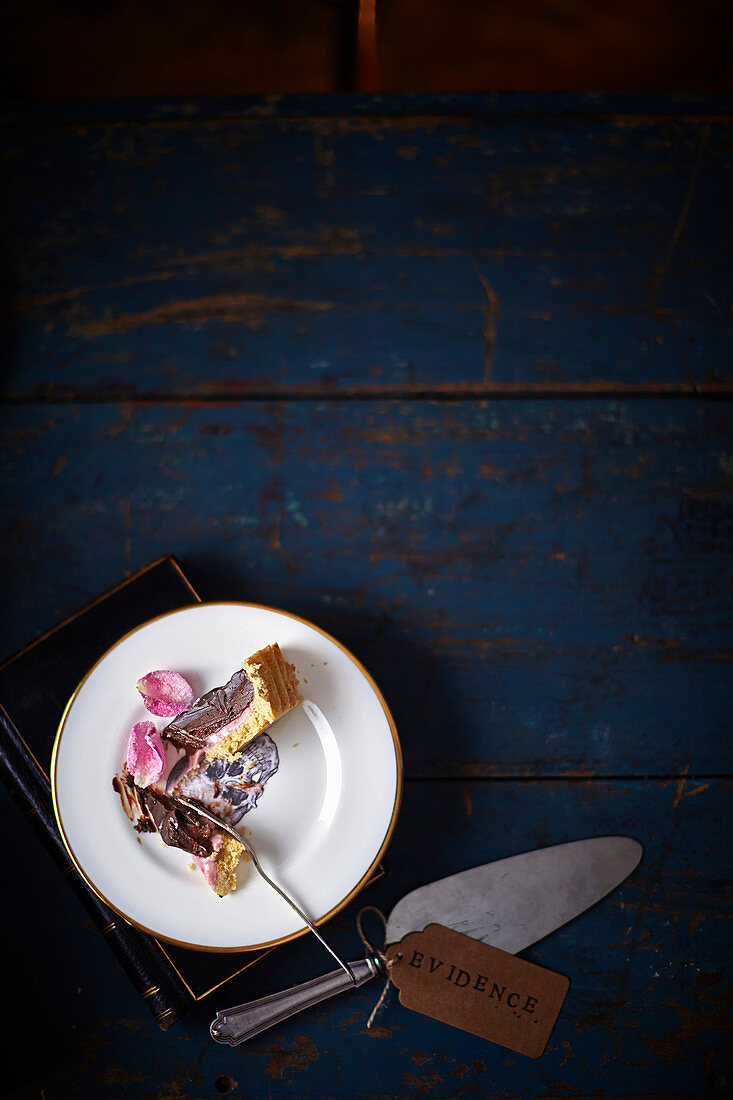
[(385, 963)]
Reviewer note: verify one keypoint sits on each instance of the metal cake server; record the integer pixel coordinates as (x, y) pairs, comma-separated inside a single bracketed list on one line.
[(510, 904)]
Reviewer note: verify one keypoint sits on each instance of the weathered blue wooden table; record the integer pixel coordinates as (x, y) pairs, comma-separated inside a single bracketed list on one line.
[(449, 377)]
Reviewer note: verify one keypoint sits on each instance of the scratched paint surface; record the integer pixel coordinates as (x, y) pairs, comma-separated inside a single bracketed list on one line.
[(448, 376), (525, 581), (470, 250)]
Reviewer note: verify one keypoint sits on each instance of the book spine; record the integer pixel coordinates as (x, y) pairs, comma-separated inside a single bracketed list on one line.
[(141, 956)]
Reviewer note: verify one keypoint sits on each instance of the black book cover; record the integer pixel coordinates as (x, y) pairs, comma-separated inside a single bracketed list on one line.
[(35, 686)]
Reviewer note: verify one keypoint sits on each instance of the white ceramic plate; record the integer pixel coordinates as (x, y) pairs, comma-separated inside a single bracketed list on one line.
[(321, 824)]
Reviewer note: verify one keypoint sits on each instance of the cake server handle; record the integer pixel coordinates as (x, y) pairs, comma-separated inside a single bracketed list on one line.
[(236, 1025)]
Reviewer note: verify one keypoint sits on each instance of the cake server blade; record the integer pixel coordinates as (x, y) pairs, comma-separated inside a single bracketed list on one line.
[(510, 904), (517, 901)]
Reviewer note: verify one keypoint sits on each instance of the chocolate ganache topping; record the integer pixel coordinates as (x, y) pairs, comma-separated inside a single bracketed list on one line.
[(214, 710), (178, 826)]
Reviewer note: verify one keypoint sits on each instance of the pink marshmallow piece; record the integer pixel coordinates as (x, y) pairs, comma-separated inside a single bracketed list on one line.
[(145, 754), (165, 693)]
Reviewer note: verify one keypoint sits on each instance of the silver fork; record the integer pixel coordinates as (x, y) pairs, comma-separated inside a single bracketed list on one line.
[(196, 807)]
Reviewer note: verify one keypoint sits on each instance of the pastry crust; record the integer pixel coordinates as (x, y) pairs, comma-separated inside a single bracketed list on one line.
[(227, 859), (275, 693)]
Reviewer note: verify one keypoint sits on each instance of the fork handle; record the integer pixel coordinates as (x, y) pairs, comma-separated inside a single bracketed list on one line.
[(235, 1025)]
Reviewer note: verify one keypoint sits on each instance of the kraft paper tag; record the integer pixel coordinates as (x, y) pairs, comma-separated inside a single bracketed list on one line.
[(477, 987)]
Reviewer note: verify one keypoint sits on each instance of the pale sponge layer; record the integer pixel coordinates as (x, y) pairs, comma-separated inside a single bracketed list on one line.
[(226, 859), (275, 693)]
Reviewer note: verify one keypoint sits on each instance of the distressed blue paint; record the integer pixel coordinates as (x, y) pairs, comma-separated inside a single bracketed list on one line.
[(275, 252), (539, 585), (458, 104)]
